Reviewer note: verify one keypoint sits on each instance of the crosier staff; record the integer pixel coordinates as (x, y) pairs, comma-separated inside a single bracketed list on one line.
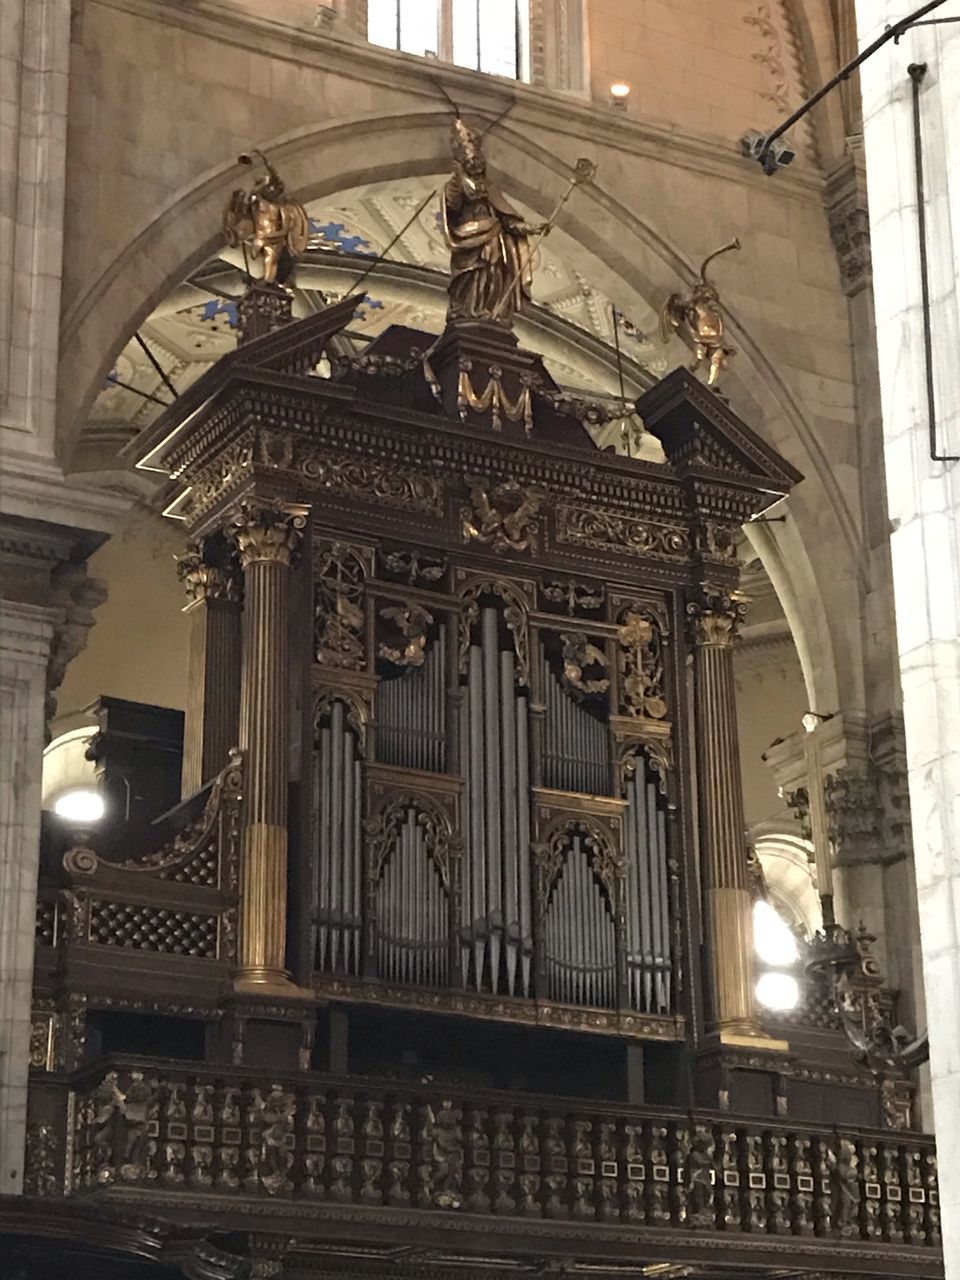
[(584, 171)]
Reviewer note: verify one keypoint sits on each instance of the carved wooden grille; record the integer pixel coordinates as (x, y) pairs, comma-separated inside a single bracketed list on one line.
[(142, 928)]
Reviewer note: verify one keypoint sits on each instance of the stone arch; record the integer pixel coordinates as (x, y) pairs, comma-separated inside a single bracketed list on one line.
[(628, 252)]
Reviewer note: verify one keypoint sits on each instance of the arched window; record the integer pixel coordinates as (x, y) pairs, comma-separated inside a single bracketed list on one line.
[(484, 35), (520, 39)]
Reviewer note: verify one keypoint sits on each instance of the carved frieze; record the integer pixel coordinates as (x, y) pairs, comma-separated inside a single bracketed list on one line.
[(619, 532), (415, 568)]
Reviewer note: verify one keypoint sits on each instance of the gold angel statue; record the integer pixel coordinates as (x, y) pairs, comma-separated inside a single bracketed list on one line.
[(266, 222), (699, 321), (490, 262)]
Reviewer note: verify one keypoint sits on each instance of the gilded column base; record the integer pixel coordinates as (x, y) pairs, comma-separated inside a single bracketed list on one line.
[(263, 924), (730, 938), (269, 982)]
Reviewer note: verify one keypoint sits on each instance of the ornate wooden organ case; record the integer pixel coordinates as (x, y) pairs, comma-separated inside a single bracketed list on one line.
[(479, 672)]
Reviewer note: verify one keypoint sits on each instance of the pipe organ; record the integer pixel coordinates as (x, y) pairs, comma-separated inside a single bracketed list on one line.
[(452, 942)]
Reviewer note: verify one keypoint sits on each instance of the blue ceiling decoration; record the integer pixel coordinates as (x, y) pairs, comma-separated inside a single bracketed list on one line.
[(336, 233)]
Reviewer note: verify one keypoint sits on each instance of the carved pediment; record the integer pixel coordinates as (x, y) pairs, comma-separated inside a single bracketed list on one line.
[(700, 433)]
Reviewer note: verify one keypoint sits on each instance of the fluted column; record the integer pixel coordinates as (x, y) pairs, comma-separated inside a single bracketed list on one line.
[(212, 724), (714, 618), (266, 538)]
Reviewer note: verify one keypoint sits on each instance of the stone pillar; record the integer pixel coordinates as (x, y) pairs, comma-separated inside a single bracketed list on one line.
[(266, 537), (26, 632), (44, 618), (212, 726), (923, 497), (714, 618)]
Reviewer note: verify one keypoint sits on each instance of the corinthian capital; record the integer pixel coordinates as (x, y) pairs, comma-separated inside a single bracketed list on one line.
[(715, 617), (206, 579), (268, 532)]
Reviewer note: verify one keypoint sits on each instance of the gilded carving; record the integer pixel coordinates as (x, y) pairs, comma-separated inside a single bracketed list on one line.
[(205, 577), (516, 607), (266, 222), (583, 665), (550, 853), (266, 532), (338, 608), (502, 516), (715, 617), (494, 397), (574, 598), (412, 567), (621, 533), (40, 1161), (699, 320), (383, 831), (270, 1127), (640, 641), (367, 480), (404, 632)]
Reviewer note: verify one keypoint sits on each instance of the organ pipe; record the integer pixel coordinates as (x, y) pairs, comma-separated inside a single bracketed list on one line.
[(411, 713), (579, 935), (576, 742), (338, 798), (412, 912), (649, 959), (496, 928)]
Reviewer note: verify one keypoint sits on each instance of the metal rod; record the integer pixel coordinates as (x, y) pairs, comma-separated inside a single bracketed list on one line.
[(917, 71), (893, 32), (144, 395), (156, 364)]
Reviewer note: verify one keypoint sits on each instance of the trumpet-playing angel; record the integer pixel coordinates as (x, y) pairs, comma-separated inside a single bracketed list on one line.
[(267, 222), (699, 321)]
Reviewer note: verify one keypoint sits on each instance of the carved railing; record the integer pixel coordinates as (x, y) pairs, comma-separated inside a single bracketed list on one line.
[(322, 1141)]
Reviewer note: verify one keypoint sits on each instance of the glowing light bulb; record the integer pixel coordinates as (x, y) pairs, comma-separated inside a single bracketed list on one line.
[(81, 805), (779, 992), (619, 92)]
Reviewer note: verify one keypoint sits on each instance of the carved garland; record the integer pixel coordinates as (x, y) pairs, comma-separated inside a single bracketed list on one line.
[(358, 713)]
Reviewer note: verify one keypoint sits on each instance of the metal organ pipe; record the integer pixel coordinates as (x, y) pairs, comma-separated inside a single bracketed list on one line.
[(649, 959), (337, 809), (576, 743), (412, 910), (496, 928), (410, 711)]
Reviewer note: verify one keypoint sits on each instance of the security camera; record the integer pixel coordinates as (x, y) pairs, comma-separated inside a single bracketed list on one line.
[(773, 157)]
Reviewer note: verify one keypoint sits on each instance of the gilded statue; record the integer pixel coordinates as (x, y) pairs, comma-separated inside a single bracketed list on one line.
[(490, 260), (266, 222), (699, 321)]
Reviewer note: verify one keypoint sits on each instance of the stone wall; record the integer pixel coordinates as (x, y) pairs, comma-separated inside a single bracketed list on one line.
[(924, 499)]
